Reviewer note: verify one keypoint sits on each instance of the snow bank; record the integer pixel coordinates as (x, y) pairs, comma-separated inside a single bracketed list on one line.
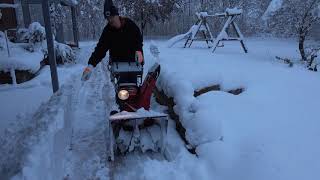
[(258, 134)]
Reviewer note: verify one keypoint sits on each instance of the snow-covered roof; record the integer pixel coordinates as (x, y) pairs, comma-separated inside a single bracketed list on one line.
[(6, 5)]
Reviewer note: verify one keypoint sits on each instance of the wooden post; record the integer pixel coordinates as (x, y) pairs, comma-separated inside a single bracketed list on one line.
[(75, 26), (26, 14), (50, 44), (60, 33)]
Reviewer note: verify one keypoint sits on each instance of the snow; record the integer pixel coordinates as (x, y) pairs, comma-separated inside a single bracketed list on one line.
[(317, 11), (192, 31), (232, 11), (269, 131), (274, 6), (202, 14), (20, 59), (5, 5), (141, 113), (263, 129)]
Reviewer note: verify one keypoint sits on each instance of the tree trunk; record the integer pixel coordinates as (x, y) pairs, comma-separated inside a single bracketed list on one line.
[(141, 24), (302, 38)]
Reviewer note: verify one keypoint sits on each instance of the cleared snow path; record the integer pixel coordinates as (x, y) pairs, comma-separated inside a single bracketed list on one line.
[(73, 146)]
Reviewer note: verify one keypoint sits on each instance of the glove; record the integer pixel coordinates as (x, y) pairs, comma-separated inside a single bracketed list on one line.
[(139, 57), (87, 73)]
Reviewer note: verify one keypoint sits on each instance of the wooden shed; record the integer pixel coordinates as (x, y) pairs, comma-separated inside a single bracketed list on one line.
[(9, 18)]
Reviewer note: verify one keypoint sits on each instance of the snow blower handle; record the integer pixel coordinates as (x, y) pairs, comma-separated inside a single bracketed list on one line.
[(139, 58), (87, 73)]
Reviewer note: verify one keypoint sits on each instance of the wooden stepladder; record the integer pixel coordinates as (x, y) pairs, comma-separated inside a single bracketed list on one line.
[(200, 31), (231, 15)]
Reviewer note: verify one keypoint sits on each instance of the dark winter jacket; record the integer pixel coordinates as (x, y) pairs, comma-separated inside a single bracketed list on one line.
[(122, 43)]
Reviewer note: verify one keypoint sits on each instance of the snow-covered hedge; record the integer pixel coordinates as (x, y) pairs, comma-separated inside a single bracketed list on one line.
[(35, 35), (64, 53)]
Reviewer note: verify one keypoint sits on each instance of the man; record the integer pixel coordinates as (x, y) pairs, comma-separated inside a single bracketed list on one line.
[(121, 37)]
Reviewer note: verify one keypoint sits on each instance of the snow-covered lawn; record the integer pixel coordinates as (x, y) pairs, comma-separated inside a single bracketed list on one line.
[(269, 131)]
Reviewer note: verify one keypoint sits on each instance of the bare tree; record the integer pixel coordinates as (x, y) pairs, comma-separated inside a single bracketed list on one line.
[(298, 19), (146, 11)]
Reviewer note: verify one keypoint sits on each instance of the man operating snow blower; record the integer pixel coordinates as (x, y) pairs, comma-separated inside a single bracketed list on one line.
[(121, 37), (135, 126)]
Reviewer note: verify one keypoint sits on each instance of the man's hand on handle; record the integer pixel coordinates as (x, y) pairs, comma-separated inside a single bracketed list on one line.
[(139, 57), (87, 73)]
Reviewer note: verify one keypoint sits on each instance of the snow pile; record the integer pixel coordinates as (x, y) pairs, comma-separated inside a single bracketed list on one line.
[(274, 6), (141, 113), (20, 59), (22, 56), (254, 135)]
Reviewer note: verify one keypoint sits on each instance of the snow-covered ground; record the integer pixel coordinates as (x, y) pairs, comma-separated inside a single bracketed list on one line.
[(269, 131)]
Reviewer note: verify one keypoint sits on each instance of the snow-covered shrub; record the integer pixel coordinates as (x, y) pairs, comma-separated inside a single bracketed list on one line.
[(23, 35), (36, 35), (64, 54)]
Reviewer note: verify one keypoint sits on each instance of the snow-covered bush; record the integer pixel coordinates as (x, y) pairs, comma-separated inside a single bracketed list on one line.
[(23, 34), (37, 33), (64, 54), (34, 35)]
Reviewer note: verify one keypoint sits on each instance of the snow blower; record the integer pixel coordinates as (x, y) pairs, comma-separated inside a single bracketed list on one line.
[(135, 126)]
